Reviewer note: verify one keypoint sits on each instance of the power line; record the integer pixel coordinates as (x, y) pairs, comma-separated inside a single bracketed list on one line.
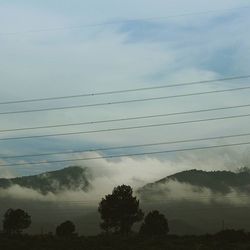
[(128, 155), (111, 92), (125, 101), (125, 118), (126, 147), (124, 128), (120, 22)]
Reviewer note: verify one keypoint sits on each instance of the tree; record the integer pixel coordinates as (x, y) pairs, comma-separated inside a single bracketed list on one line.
[(120, 210), (155, 224), (65, 229), (15, 221)]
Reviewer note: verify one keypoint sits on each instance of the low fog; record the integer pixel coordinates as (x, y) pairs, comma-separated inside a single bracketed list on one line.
[(105, 174), (49, 209)]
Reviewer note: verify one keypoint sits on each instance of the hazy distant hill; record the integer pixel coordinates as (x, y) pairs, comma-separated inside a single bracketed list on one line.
[(187, 212), (217, 181), (197, 201), (71, 178)]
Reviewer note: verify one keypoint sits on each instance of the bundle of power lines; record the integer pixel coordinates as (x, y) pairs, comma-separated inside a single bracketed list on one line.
[(123, 128)]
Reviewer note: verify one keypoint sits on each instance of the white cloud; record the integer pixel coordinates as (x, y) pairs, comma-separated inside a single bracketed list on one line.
[(106, 174), (99, 59), (175, 191)]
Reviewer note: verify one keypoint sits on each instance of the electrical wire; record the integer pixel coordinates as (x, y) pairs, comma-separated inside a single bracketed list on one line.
[(124, 128), (125, 147), (111, 92), (125, 118), (125, 101), (128, 155)]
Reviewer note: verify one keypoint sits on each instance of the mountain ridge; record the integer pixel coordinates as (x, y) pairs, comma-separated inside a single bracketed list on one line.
[(217, 181), (69, 178)]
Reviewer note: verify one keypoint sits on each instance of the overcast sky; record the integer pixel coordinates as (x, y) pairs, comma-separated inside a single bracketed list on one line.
[(58, 48)]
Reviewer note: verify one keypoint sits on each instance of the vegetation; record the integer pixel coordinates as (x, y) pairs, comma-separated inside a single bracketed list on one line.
[(217, 181), (155, 224), (66, 229), (120, 210), (71, 178), (15, 221)]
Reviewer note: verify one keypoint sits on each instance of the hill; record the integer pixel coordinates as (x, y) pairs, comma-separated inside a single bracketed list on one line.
[(182, 197), (220, 182), (197, 201), (71, 178)]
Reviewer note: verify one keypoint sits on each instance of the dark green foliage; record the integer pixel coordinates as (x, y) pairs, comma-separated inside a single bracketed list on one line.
[(155, 224), (71, 178), (120, 210), (66, 229), (15, 221)]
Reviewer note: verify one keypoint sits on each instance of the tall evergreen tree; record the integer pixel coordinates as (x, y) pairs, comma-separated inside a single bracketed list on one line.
[(120, 210)]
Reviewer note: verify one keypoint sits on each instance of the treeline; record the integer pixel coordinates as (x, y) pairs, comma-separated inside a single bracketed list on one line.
[(119, 211)]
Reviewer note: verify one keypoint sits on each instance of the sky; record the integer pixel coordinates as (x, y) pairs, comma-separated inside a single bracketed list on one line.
[(58, 48)]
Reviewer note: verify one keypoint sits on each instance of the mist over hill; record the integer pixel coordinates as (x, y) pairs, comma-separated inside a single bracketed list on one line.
[(194, 201), (72, 178), (77, 178), (198, 181), (198, 201)]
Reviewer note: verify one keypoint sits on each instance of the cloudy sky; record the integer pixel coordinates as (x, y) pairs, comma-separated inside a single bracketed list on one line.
[(57, 48)]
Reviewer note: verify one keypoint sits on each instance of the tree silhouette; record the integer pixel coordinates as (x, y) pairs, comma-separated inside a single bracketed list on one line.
[(155, 224), (120, 210), (15, 221), (66, 229)]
